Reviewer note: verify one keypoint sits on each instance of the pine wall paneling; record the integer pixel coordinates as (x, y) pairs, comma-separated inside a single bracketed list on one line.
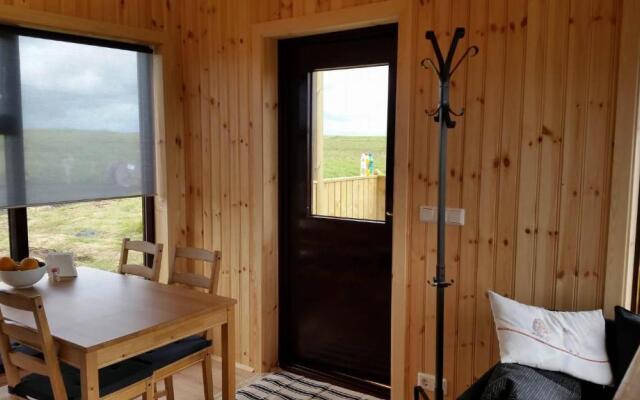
[(531, 161)]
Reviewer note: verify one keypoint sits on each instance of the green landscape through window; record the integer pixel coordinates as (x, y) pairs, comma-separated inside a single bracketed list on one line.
[(349, 142)]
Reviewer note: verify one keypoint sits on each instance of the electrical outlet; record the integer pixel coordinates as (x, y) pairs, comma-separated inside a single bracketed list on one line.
[(428, 382), (452, 216)]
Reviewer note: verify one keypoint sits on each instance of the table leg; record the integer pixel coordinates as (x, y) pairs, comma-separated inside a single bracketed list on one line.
[(207, 377), (229, 356), (89, 377)]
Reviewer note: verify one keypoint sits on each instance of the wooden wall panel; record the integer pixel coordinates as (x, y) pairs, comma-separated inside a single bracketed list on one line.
[(270, 10), (148, 14), (530, 161), (216, 84)]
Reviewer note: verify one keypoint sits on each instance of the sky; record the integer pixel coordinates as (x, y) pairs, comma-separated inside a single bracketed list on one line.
[(355, 101), (75, 86)]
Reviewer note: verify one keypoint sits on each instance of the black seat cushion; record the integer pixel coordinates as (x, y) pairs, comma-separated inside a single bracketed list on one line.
[(173, 352), (112, 379)]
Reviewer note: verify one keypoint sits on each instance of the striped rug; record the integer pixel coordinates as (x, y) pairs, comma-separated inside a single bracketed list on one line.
[(288, 386)]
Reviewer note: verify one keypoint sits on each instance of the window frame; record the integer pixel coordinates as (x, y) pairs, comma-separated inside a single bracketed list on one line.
[(18, 216)]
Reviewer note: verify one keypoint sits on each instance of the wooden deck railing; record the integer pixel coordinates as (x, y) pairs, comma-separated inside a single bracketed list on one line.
[(361, 197)]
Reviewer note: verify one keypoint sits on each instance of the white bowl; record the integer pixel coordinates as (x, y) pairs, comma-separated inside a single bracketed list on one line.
[(23, 279)]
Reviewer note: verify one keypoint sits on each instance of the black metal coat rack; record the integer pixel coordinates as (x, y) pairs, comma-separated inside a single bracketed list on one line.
[(442, 114)]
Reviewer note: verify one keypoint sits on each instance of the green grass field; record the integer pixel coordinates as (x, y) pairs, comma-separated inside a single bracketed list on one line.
[(342, 154), (88, 153), (94, 231)]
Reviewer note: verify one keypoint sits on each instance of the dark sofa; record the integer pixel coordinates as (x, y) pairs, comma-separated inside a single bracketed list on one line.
[(589, 391)]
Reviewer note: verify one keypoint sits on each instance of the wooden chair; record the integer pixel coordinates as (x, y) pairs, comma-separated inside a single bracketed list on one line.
[(177, 356), (143, 247), (48, 378)]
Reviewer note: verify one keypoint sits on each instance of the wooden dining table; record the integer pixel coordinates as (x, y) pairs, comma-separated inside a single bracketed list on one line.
[(101, 318)]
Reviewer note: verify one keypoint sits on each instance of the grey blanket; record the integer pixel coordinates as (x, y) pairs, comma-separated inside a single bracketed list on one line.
[(517, 382)]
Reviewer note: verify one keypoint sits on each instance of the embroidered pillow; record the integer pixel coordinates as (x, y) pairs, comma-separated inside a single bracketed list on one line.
[(569, 342)]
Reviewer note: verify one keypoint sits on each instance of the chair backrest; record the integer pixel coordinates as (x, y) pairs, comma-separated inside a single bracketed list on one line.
[(210, 284), (39, 339), (143, 247)]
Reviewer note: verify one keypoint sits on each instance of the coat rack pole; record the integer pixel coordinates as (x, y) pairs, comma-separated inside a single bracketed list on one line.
[(440, 264), (442, 114)]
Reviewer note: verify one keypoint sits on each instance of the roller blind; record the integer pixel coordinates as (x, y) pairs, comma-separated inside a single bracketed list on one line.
[(76, 119)]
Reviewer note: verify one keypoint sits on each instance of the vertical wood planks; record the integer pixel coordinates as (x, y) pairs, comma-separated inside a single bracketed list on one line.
[(527, 167), (245, 239), (526, 224), (551, 137), (598, 138), (510, 150), (573, 155), (530, 161), (489, 175), (473, 134)]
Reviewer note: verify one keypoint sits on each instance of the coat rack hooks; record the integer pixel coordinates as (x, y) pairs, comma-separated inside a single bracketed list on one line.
[(442, 114), (445, 71), (471, 52)]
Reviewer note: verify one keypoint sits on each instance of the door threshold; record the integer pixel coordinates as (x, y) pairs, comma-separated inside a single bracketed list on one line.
[(340, 379)]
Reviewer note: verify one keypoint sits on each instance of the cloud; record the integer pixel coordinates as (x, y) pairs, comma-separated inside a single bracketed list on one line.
[(76, 86), (355, 101)]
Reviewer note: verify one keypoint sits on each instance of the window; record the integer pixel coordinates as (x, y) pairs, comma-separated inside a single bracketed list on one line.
[(350, 142), (77, 168)]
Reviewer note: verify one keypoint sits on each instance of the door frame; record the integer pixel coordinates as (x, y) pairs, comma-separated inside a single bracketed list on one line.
[(263, 150)]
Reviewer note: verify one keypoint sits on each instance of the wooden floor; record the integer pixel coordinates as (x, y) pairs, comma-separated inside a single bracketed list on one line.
[(188, 384)]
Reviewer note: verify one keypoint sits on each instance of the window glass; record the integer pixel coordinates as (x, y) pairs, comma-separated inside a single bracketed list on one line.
[(92, 231), (349, 142)]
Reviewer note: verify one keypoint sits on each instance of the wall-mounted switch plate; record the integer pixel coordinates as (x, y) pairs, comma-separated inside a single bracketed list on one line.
[(428, 215), (453, 216)]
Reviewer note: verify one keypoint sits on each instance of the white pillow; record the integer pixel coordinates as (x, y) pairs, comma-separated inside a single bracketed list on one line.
[(569, 342)]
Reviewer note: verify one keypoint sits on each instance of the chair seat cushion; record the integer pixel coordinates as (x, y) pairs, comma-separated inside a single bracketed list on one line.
[(173, 352), (112, 379)]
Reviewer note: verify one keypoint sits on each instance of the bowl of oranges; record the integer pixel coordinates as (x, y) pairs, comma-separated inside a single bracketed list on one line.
[(23, 274)]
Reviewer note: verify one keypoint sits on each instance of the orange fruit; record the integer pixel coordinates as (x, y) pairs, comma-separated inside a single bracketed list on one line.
[(7, 264), (28, 263)]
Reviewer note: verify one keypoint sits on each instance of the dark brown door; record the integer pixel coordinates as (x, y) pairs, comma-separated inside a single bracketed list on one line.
[(337, 104)]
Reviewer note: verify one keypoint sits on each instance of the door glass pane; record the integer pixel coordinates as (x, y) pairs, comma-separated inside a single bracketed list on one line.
[(92, 231), (349, 142)]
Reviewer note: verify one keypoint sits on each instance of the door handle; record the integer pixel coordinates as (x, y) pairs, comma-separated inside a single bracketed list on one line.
[(388, 213)]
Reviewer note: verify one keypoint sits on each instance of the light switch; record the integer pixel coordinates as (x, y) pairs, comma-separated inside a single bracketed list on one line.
[(428, 215), (453, 216)]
